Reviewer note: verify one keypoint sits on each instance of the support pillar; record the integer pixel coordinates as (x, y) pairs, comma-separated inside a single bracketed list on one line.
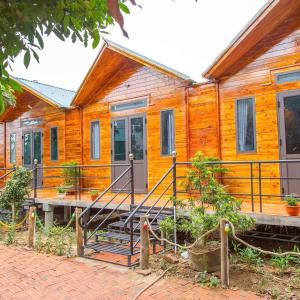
[(67, 214), (49, 214)]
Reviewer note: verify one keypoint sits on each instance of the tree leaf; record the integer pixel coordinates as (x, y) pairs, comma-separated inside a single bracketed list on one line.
[(35, 56), (40, 39), (124, 8), (2, 104), (26, 59), (15, 85)]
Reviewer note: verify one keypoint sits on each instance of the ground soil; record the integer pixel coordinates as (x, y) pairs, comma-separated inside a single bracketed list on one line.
[(264, 280)]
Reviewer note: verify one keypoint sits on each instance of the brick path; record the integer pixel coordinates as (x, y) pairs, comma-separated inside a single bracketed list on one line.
[(28, 275)]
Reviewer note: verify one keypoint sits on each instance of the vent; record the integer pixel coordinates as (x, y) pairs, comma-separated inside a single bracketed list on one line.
[(288, 76)]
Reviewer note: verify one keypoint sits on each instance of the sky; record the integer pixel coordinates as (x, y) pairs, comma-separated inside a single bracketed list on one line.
[(182, 34)]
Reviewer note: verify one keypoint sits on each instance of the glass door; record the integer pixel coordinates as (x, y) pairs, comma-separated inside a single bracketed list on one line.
[(129, 136), (289, 125), (32, 149)]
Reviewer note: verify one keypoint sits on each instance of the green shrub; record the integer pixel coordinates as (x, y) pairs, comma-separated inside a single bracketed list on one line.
[(202, 177), (70, 174), (17, 188), (292, 200)]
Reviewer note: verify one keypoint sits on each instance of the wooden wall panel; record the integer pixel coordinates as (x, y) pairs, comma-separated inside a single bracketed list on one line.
[(257, 79), (203, 124), (134, 81)]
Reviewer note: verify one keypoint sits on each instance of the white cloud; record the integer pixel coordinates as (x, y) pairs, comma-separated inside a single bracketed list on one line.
[(182, 34)]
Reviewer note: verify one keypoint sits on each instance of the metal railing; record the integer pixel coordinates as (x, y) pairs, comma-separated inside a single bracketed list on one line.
[(84, 220), (257, 181)]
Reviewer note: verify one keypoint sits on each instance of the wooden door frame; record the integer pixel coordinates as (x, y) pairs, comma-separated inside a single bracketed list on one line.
[(281, 135), (127, 117)]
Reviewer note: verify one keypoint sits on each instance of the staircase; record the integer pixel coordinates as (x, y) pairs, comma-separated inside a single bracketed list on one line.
[(120, 236)]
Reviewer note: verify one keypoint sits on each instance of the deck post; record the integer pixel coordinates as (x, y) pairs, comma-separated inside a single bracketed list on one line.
[(49, 213), (79, 235), (174, 198), (224, 253), (35, 175), (145, 243), (67, 213), (31, 226), (131, 158)]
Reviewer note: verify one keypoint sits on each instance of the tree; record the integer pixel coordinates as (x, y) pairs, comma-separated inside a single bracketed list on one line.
[(24, 24)]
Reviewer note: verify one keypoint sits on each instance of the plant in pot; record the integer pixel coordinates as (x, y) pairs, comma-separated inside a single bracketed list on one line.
[(292, 207), (70, 173), (94, 194), (204, 212), (61, 192)]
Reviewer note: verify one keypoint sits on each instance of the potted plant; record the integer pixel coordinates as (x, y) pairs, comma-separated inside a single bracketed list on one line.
[(292, 207), (70, 173), (204, 211), (61, 190), (94, 194)]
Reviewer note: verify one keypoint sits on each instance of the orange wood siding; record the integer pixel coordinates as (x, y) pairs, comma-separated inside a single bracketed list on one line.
[(257, 79), (135, 81), (203, 120)]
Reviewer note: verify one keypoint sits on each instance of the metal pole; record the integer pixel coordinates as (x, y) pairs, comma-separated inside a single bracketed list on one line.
[(252, 196), (260, 189), (35, 162), (131, 157), (174, 198), (224, 253)]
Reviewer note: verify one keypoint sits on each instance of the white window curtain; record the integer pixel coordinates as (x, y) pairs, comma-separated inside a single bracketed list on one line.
[(245, 125)]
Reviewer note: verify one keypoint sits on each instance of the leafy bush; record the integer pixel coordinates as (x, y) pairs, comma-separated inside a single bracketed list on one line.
[(58, 240), (16, 190), (61, 189), (70, 173), (292, 200), (202, 177)]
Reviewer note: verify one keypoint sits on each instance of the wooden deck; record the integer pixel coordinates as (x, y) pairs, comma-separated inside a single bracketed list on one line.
[(272, 213)]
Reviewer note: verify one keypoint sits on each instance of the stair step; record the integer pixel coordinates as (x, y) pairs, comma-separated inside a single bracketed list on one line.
[(154, 210), (111, 248), (140, 214), (118, 235), (120, 224)]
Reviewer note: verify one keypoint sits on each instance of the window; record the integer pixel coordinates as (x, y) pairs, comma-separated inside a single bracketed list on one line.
[(245, 125), (167, 132), (95, 140), (288, 76), (129, 105), (12, 147), (54, 143)]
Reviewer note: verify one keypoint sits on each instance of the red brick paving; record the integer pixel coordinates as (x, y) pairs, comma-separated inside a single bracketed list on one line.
[(29, 275)]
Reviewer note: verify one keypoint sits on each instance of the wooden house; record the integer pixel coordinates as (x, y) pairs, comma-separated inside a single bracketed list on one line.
[(247, 110)]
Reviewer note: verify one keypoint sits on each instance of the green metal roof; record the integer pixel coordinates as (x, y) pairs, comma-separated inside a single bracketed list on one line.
[(60, 96)]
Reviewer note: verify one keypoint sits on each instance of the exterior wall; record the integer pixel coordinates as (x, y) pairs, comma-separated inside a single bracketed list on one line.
[(51, 117), (163, 92), (257, 79), (203, 126)]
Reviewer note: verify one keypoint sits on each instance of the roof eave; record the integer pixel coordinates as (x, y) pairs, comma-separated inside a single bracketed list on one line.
[(210, 72)]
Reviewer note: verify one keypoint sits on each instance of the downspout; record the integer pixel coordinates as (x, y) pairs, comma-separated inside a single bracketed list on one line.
[(219, 120)]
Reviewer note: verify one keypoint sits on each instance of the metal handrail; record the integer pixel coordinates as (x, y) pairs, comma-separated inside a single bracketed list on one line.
[(132, 214), (237, 162), (104, 192)]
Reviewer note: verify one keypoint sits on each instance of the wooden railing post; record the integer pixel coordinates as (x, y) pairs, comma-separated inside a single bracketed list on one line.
[(31, 226), (145, 243), (79, 235), (224, 253)]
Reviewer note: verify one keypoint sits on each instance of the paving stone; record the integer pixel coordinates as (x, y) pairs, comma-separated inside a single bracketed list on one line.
[(30, 275)]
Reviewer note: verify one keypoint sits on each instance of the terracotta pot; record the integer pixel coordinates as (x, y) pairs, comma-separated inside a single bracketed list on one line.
[(61, 195), (209, 261), (94, 197), (292, 210)]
